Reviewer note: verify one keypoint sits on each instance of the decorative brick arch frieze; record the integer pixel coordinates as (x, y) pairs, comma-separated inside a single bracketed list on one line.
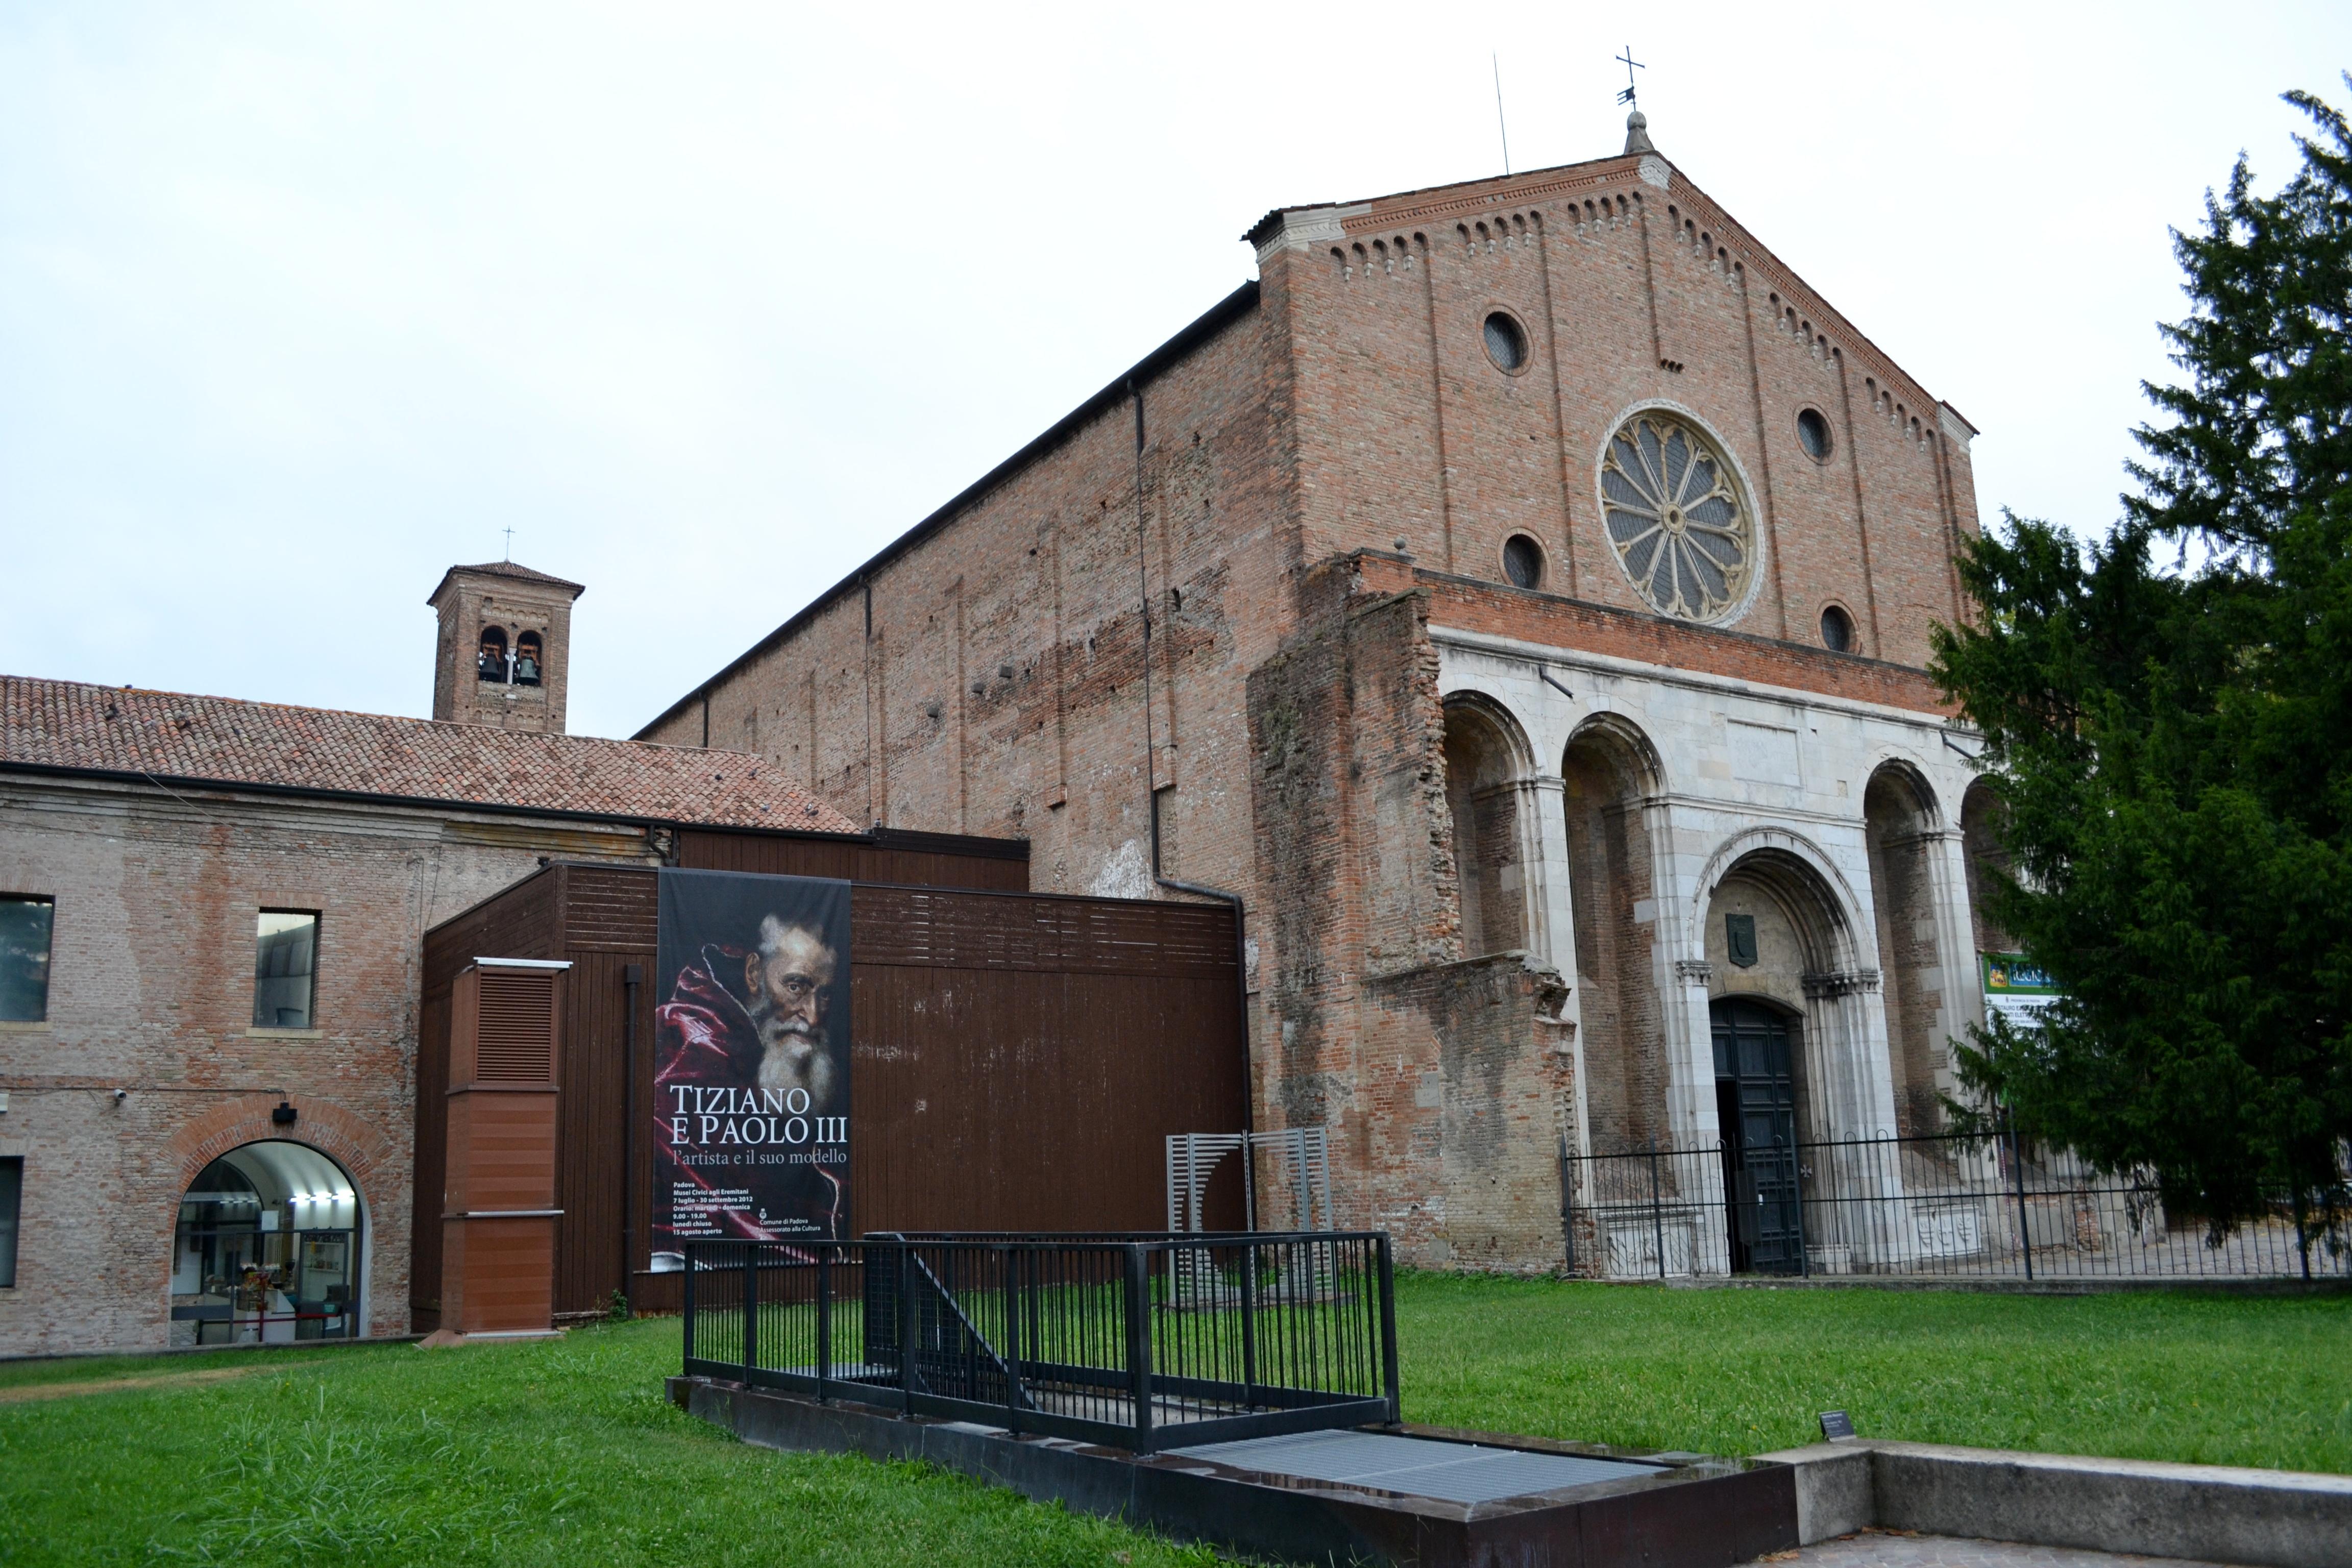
[(377, 1169)]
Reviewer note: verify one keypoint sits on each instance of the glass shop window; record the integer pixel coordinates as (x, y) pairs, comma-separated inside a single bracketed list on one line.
[(527, 659), (285, 969), (490, 663), (12, 1192), (25, 926)]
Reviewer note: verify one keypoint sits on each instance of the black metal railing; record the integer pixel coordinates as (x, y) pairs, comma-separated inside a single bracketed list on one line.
[(1138, 1342), (1942, 1205)]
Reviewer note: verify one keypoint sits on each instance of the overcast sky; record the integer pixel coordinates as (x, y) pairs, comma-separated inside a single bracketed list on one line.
[(302, 303)]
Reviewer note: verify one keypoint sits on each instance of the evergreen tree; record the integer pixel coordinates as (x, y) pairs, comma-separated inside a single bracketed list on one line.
[(2168, 717)]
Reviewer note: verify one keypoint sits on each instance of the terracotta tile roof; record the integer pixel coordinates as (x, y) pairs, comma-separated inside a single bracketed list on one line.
[(220, 740), (504, 569)]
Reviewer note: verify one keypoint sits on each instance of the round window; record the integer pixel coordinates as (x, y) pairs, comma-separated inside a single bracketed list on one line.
[(1814, 432), (1506, 342), (1837, 630), (1676, 516), (1523, 562)]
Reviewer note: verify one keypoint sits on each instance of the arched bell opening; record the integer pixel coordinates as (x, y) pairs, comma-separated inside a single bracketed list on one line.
[(269, 1249)]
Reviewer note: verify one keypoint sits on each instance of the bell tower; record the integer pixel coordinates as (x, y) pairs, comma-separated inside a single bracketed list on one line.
[(504, 655)]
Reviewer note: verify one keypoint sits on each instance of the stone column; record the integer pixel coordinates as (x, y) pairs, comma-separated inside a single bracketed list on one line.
[(1682, 975), (1961, 984), (1553, 931)]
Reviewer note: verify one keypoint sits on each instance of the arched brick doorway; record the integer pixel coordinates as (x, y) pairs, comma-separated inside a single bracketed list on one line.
[(271, 1249)]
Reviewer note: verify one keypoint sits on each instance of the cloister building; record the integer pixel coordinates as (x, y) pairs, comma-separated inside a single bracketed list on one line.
[(1519, 598)]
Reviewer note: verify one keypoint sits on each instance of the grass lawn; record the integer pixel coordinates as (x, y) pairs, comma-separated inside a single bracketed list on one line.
[(2207, 1378), (539, 1453), (565, 1452)]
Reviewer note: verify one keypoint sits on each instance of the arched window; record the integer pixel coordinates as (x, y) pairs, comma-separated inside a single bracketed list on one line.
[(527, 659), (490, 663)]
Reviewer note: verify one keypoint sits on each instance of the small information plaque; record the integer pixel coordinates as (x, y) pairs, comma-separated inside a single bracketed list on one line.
[(1836, 1425)]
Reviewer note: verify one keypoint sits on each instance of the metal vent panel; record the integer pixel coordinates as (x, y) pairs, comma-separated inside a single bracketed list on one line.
[(516, 1040), (1419, 1467)]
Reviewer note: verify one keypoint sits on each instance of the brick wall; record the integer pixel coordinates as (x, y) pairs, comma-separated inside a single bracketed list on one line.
[(1630, 294), (152, 993)]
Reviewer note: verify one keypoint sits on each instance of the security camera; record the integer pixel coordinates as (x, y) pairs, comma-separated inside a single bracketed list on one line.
[(121, 1095)]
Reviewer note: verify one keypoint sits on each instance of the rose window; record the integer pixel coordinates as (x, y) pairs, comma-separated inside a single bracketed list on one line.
[(1676, 518)]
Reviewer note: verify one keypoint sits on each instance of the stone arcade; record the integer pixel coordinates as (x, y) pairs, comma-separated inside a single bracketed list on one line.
[(1536, 586)]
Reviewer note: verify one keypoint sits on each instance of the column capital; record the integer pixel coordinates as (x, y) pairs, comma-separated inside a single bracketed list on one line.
[(1839, 983)]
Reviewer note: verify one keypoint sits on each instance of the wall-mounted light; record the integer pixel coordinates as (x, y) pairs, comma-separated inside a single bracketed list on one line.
[(281, 1115)]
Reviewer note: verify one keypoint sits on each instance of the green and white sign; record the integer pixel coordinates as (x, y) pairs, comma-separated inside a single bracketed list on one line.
[(2015, 987)]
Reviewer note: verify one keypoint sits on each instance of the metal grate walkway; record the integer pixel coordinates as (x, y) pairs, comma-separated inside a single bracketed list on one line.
[(1418, 1467)]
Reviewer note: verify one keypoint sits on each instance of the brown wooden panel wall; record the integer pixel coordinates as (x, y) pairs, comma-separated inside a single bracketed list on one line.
[(1019, 1058), (498, 1186), (523, 921), (1002, 1099), (933, 859)]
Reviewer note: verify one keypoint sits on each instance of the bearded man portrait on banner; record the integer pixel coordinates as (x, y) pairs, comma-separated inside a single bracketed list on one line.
[(747, 1074)]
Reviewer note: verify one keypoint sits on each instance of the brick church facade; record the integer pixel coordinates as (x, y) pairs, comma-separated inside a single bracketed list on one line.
[(1519, 598)]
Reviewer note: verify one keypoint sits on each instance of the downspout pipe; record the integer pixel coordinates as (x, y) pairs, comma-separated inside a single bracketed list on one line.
[(631, 976)]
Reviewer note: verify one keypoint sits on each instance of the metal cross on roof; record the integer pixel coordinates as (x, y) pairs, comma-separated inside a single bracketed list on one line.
[(510, 534), (1631, 65)]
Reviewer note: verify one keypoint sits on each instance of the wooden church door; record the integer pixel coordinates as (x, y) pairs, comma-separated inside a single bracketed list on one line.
[(1755, 1104)]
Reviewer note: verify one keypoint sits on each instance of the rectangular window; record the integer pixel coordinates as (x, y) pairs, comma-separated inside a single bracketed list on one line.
[(12, 1188), (285, 969), (25, 924)]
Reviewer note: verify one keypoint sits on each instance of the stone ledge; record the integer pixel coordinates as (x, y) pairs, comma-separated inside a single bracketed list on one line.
[(2265, 1518), (1695, 1513)]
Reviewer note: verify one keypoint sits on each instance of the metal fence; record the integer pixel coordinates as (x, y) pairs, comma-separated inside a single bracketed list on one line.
[(1934, 1207), (1138, 1342)]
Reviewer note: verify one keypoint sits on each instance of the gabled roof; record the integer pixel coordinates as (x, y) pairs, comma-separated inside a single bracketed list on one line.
[(1207, 325), (169, 738), (1319, 221), (503, 569)]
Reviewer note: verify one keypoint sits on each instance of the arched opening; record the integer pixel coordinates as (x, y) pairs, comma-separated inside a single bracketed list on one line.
[(1484, 775), (1899, 818), (528, 659), (1789, 1040), (1607, 776), (1776, 932), (1987, 861), (267, 1249), (490, 661)]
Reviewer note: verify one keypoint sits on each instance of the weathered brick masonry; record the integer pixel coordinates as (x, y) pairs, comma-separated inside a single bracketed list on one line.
[(152, 995), (1480, 829)]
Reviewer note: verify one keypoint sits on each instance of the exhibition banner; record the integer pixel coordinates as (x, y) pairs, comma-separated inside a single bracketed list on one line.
[(2015, 987), (751, 1036)]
